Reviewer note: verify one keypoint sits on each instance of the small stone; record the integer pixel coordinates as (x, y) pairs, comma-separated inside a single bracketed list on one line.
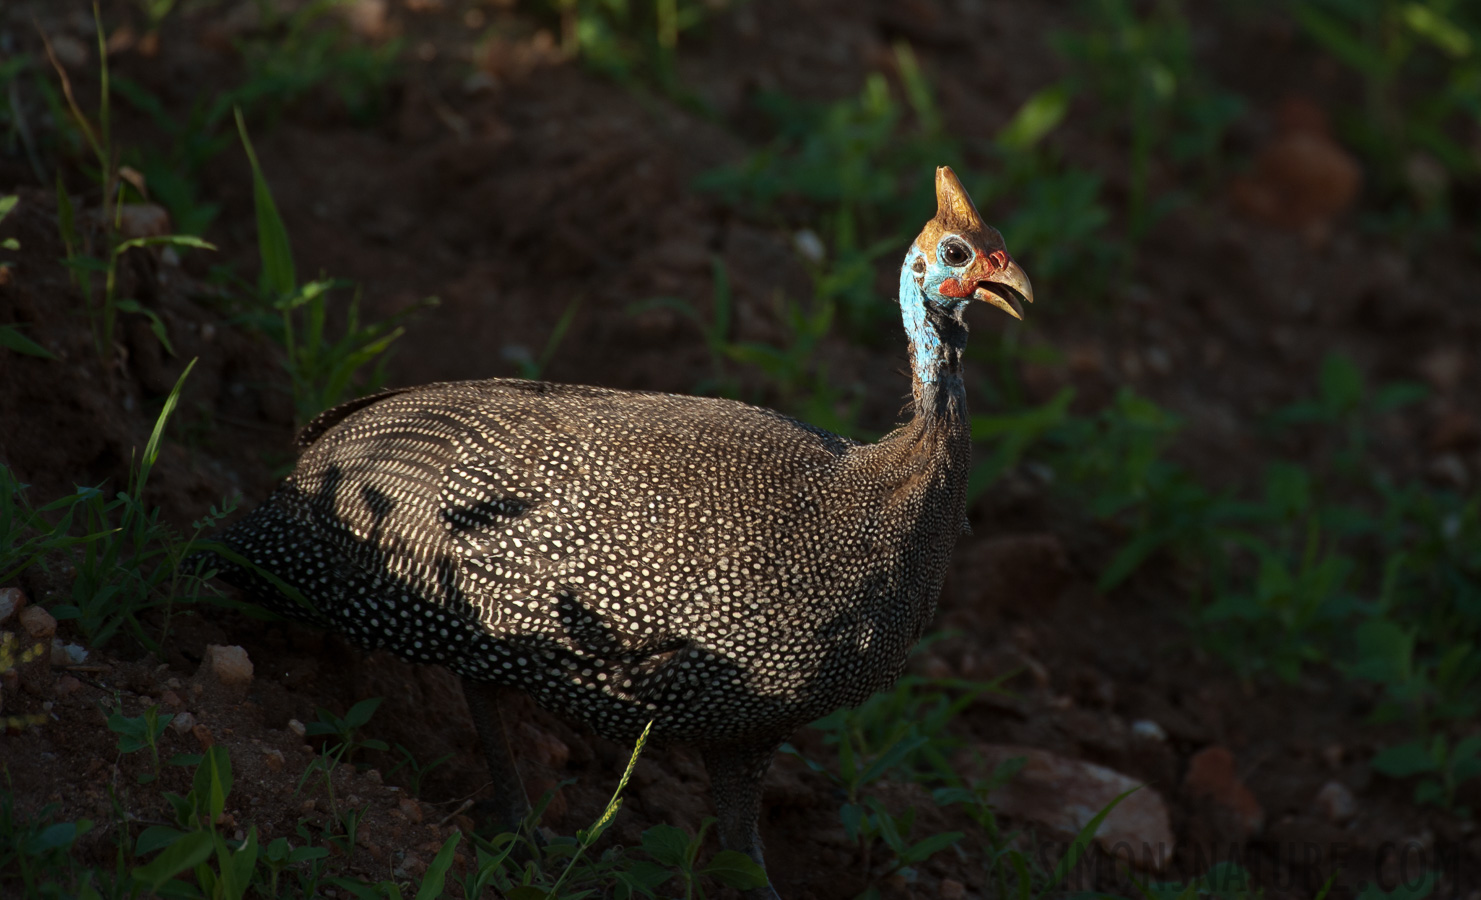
[(143, 220), (809, 246), (1336, 802), (171, 699), (12, 601), (1065, 794), (66, 686), (228, 665), (1444, 367), (274, 759), (203, 736), (1148, 730), (63, 655), (1448, 468), (183, 723), (69, 51), (411, 809), (38, 623), (544, 747), (411, 867), (372, 775), (297, 727), (951, 889)]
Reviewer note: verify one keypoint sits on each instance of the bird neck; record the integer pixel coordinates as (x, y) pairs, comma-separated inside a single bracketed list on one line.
[(938, 338)]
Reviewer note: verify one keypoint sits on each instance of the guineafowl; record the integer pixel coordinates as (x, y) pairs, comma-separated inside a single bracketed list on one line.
[(721, 570)]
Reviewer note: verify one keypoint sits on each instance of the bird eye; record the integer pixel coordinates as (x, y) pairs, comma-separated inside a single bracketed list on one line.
[(955, 253)]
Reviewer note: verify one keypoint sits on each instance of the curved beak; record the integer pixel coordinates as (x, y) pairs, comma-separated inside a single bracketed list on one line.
[(1006, 287)]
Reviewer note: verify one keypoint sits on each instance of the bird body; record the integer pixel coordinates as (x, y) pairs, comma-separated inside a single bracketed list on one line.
[(720, 570)]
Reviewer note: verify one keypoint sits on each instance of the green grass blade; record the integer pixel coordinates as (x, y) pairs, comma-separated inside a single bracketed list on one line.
[(151, 449), (1081, 843), (12, 339), (278, 275)]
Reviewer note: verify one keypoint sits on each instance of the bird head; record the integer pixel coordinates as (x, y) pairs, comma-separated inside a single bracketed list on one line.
[(958, 257)]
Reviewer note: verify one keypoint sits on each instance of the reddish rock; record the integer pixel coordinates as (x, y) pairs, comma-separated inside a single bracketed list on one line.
[(38, 624), (543, 747), (203, 736), (66, 686), (555, 811), (1455, 430), (228, 665), (1302, 179), (1213, 783), (143, 220), (1065, 794), (411, 809)]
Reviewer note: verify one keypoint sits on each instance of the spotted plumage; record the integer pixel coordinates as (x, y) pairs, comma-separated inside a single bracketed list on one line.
[(720, 570)]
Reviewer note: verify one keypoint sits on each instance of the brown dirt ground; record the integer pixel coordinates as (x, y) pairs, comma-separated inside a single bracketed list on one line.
[(553, 184)]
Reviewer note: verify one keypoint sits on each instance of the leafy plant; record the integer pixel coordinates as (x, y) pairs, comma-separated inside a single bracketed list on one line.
[(1444, 765), (334, 752), (629, 39), (323, 371), (416, 771), (193, 842), (305, 48), (1142, 68), (1393, 47), (139, 732)]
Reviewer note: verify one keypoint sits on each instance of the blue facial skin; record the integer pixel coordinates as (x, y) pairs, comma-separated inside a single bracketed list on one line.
[(917, 289)]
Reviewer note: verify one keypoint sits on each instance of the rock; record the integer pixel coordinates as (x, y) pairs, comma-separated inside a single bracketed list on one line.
[(1455, 430), (1336, 802), (144, 220), (1148, 730), (1212, 782), (38, 624), (951, 889), (66, 686), (555, 810), (544, 747), (171, 699), (67, 654), (12, 601), (411, 867), (367, 18), (228, 665), (274, 759), (411, 809), (69, 51), (1065, 794), (1302, 179), (297, 727), (1444, 367), (183, 723), (203, 736)]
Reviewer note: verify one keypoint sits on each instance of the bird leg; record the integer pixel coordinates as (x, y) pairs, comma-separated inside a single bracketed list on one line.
[(735, 782), (509, 806)]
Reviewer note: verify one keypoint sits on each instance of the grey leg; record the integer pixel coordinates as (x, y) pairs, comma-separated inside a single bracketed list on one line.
[(735, 781), (510, 805)]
